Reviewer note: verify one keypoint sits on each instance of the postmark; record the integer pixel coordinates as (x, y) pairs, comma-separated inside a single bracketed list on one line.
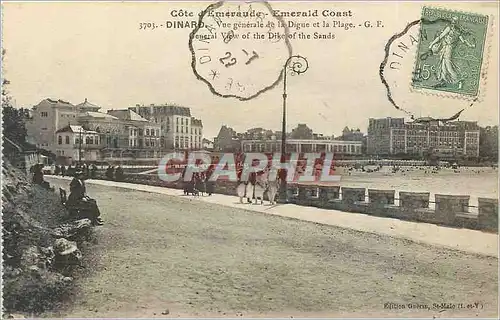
[(450, 52), (239, 49)]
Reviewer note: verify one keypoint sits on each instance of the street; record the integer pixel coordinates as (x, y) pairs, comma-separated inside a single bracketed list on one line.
[(158, 252)]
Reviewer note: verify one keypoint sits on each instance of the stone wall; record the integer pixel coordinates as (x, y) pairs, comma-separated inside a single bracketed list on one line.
[(450, 210)]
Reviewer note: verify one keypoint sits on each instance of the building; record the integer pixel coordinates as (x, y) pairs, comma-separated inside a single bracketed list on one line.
[(196, 138), (178, 129), (138, 136), (338, 147), (47, 117), (21, 155), (392, 136), (121, 133), (301, 139), (74, 143), (302, 131), (351, 135), (227, 140), (207, 145)]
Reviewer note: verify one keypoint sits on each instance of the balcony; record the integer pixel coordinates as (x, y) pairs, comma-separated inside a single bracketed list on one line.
[(88, 146)]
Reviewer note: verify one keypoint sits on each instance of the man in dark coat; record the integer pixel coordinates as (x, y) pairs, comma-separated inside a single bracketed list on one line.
[(110, 172), (119, 176), (252, 179), (79, 200), (93, 171), (38, 174), (210, 185)]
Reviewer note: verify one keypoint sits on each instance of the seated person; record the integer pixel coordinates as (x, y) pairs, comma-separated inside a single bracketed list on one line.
[(79, 200)]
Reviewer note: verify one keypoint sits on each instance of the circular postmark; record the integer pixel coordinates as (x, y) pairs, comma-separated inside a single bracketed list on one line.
[(239, 49), (428, 80)]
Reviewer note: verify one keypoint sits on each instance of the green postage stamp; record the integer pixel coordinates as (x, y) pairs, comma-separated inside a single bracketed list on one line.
[(450, 51)]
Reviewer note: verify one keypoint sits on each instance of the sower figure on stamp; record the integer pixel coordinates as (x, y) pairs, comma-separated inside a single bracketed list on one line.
[(444, 45), (78, 200)]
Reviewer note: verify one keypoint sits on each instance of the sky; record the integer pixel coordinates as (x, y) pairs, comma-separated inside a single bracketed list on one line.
[(73, 51)]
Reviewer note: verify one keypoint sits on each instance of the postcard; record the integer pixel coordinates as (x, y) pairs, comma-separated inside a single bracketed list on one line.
[(250, 159)]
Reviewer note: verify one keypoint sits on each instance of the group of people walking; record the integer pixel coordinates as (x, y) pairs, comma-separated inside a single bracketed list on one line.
[(199, 183), (113, 173), (90, 170)]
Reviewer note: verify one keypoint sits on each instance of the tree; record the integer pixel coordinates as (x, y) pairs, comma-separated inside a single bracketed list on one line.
[(488, 143), (13, 119)]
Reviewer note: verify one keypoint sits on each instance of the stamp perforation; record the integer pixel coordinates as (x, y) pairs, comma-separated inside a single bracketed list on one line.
[(483, 71)]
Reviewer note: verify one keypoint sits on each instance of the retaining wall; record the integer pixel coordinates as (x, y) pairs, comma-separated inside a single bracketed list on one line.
[(450, 210)]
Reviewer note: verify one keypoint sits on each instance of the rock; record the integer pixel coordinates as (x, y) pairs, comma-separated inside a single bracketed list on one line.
[(16, 316), (67, 280), (67, 254), (73, 230), (31, 257), (65, 247), (166, 312), (49, 255)]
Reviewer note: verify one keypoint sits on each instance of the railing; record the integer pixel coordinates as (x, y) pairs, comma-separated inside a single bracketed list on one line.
[(452, 210), (449, 210)]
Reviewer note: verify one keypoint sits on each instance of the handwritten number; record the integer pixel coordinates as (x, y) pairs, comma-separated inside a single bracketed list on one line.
[(227, 56), (254, 56)]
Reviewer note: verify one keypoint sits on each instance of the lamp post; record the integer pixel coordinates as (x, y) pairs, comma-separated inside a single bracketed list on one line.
[(295, 65), (80, 147)]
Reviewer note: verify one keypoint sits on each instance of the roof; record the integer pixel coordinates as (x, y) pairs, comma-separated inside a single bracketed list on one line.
[(21, 146), (74, 129), (58, 101), (163, 109), (101, 115), (196, 122), (126, 114), (88, 105)]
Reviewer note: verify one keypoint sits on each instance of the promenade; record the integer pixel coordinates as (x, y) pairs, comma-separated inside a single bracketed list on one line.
[(160, 254), (471, 241)]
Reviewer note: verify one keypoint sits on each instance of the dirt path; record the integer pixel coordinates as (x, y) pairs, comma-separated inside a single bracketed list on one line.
[(159, 252)]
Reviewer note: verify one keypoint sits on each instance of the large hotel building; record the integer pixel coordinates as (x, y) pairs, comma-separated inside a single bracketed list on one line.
[(83, 132), (392, 136), (180, 130)]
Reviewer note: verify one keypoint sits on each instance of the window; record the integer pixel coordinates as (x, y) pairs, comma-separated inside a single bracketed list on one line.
[(59, 139), (67, 140), (147, 132), (44, 114)]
